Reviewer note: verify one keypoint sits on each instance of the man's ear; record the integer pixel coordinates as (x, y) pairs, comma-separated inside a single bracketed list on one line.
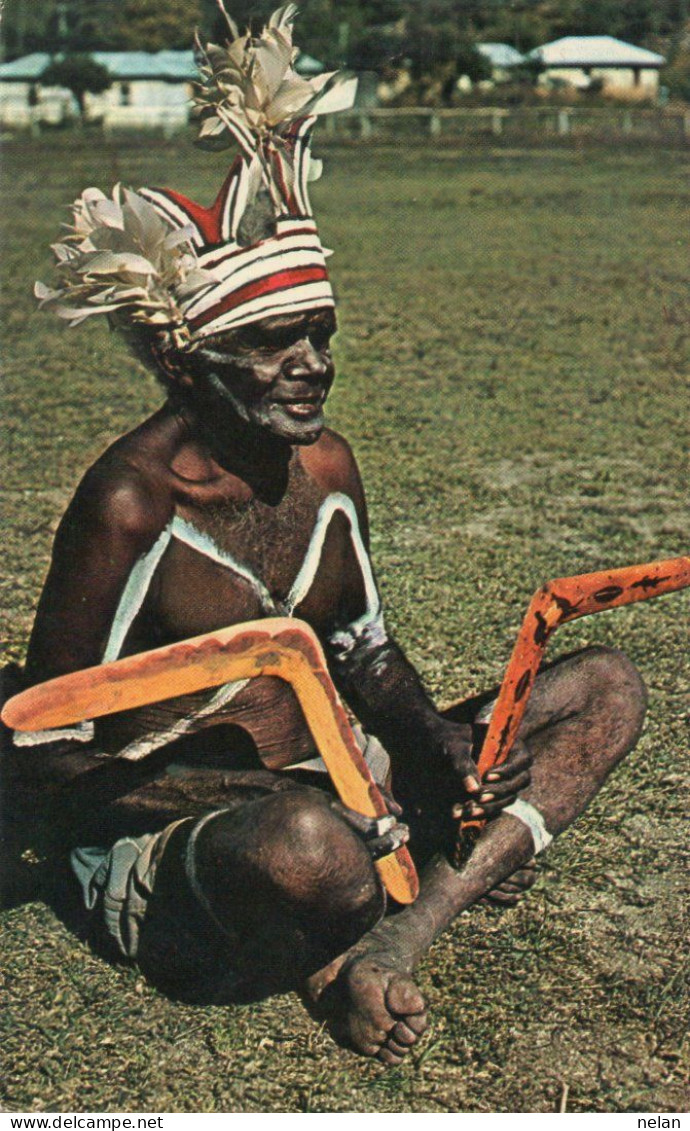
[(170, 363)]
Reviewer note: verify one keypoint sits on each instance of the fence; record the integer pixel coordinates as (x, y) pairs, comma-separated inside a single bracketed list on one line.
[(525, 123), (420, 124)]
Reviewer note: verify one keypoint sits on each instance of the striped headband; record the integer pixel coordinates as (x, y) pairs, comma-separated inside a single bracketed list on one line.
[(158, 259), (283, 273)]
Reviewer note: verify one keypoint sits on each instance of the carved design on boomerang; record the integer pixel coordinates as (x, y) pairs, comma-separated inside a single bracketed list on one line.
[(557, 602), (278, 646)]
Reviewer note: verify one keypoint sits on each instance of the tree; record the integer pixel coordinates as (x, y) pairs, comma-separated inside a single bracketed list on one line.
[(157, 25), (470, 62), (80, 74), (677, 75)]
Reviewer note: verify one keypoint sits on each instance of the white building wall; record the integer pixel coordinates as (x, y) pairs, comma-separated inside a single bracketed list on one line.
[(53, 104), (138, 103), (618, 80), (142, 100)]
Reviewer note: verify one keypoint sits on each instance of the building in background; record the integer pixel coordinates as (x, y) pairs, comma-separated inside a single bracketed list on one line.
[(503, 59), (147, 90), (618, 68)]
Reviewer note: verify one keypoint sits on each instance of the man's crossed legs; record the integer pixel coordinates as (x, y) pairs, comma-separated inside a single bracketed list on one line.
[(292, 889)]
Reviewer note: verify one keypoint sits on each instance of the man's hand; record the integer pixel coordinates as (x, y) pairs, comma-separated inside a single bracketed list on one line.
[(502, 784)]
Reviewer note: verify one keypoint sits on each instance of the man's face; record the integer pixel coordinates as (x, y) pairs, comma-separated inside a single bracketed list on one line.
[(274, 374)]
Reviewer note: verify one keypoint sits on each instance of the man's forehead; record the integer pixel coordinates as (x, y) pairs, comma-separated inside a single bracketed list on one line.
[(274, 325), (289, 321)]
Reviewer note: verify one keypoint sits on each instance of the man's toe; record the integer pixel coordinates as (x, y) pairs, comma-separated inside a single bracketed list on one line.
[(403, 1034), (404, 998), (390, 1058), (397, 1049)]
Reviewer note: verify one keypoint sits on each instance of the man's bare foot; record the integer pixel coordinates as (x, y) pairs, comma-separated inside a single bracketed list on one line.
[(514, 888), (375, 1008)]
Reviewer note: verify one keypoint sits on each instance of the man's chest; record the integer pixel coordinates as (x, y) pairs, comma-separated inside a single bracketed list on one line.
[(205, 582), (221, 565)]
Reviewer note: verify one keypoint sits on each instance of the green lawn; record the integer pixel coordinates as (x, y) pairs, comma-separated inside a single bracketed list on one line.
[(513, 379)]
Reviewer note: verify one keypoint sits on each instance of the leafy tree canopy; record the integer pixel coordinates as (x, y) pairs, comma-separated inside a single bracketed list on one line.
[(80, 74), (154, 25), (358, 32)]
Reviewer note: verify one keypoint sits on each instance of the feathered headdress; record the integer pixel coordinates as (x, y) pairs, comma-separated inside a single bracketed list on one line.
[(164, 260)]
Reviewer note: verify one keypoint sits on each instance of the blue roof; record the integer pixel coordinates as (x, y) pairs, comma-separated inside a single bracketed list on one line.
[(308, 65), (501, 54), (176, 66), (28, 68), (173, 66)]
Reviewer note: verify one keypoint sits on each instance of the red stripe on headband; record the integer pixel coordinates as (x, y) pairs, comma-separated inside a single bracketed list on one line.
[(208, 220), (280, 281)]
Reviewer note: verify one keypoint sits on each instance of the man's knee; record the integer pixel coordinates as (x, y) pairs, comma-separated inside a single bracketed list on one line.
[(294, 848), (320, 858), (614, 688)]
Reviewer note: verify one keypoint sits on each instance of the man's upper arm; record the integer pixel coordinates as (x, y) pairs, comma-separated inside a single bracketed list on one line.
[(333, 464), (113, 519), (358, 601)]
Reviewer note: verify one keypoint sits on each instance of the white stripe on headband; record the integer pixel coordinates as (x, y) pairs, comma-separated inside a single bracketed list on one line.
[(533, 820), (294, 298), (245, 137), (310, 296), (253, 272), (172, 211), (304, 230), (241, 258), (302, 159), (230, 220), (236, 203)]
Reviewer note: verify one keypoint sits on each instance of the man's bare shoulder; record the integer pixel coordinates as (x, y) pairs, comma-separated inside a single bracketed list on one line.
[(332, 464), (128, 491)]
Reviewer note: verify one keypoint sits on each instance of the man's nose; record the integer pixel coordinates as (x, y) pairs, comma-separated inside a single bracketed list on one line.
[(305, 363)]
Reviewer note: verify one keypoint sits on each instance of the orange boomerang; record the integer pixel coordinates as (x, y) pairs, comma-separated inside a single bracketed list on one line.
[(551, 606), (278, 646)]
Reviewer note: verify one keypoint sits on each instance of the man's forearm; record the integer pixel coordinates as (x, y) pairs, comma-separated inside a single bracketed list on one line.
[(387, 694)]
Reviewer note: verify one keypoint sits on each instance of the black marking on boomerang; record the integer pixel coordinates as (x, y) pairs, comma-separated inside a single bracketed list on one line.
[(542, 631), (567, 608), (522, 685), (649, 582), (609, 593), (504, 734)]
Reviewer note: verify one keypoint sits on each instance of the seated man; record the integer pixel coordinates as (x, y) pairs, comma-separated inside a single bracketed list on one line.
[(231, 503)]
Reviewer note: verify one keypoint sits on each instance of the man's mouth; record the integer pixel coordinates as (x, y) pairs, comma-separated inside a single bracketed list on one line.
[(303, 408)]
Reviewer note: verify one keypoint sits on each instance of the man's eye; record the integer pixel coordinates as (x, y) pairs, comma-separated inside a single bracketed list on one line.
[(320, 339)]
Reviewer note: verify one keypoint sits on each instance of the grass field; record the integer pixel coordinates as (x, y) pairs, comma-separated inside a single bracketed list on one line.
[(513, 378)]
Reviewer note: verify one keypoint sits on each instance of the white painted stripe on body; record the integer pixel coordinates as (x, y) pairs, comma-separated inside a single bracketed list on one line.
[(81, 732), (305, 578), (147, 743), (185, 532), (133, 594), (138, 584)]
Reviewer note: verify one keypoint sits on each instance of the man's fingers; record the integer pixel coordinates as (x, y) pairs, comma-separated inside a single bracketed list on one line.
[(495, 790), (383, 845), (520, 759), (488, 808), (471, 784), (391, 804)]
